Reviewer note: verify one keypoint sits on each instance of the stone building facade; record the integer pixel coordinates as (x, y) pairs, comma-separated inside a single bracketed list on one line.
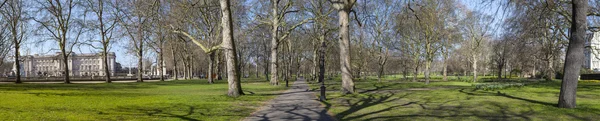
[(85, 64), (592, 59)]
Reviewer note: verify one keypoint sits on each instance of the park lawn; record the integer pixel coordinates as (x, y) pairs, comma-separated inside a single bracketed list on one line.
[(173, 100), (458, 101)]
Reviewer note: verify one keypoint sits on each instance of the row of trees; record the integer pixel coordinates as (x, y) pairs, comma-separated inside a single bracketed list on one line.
[(283, 38)]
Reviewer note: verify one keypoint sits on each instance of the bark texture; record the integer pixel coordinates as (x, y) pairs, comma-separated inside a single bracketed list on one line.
[(573, 61), (233, 78), (344, 41), (274, 43)]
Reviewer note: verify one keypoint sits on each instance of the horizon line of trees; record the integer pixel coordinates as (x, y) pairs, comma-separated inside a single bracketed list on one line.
[(283, 39)]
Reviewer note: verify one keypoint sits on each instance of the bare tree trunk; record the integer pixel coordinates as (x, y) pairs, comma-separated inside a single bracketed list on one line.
[(211, 60), (219, 66), (233, 77), (345, 65), (415, 74), (274, 42), (288, 74), (315, 69), (273, 63), (573, 61), (140, 54), (427, 70), (381, 61), (183, 70), (550, 70), (66, 70), (474, 67), (256, 68), (189, 67), (17, 64), (13, 16), (445, 66), (507, 74), (500, 67), (266, 68), (298, 67), (322, 61), (174, 63), (192, 69), (161, 64), (380, 72), (106, 67)]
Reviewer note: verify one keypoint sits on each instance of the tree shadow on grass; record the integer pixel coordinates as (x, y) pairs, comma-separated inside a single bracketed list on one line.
[(178, 111), (161, 111), (379, 88), (369, 101), (460, 112), (500, 94)]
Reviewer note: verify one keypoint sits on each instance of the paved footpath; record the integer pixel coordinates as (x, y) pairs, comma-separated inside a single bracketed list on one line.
[(296, 104)]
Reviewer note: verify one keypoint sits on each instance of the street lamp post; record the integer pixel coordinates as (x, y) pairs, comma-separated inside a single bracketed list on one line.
[(323, 98), (322, 71)]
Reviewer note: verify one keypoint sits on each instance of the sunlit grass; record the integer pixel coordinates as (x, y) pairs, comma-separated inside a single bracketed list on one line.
[(175, 100), (455, 100)]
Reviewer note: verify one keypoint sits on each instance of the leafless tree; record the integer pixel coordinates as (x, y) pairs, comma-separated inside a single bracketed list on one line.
[(228, 45), (134, 17), (14, 13), (105, 24), (344, 8), (59, 18), (567, 97)]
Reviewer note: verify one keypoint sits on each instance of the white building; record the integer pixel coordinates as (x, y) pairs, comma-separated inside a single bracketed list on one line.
[(52, 65), (592, 51)]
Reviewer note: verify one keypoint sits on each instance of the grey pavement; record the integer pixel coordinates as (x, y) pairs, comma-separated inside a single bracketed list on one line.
[(296, 104)]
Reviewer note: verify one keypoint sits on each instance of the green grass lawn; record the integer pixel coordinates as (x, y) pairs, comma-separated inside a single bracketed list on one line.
[(405, 100), (175, 100)]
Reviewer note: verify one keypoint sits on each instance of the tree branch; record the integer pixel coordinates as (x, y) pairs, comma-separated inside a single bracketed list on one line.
[(206, 50)]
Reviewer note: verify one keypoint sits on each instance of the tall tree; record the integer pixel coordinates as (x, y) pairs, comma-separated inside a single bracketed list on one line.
[(14, 13), (105, 24), (476, 29), (134, 17), (410, 43), (228, 45), (430, 16), (59, 21), (277, 20), (321, 28), (159, 39), (203, 20), (344, 8), (573, 62)]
